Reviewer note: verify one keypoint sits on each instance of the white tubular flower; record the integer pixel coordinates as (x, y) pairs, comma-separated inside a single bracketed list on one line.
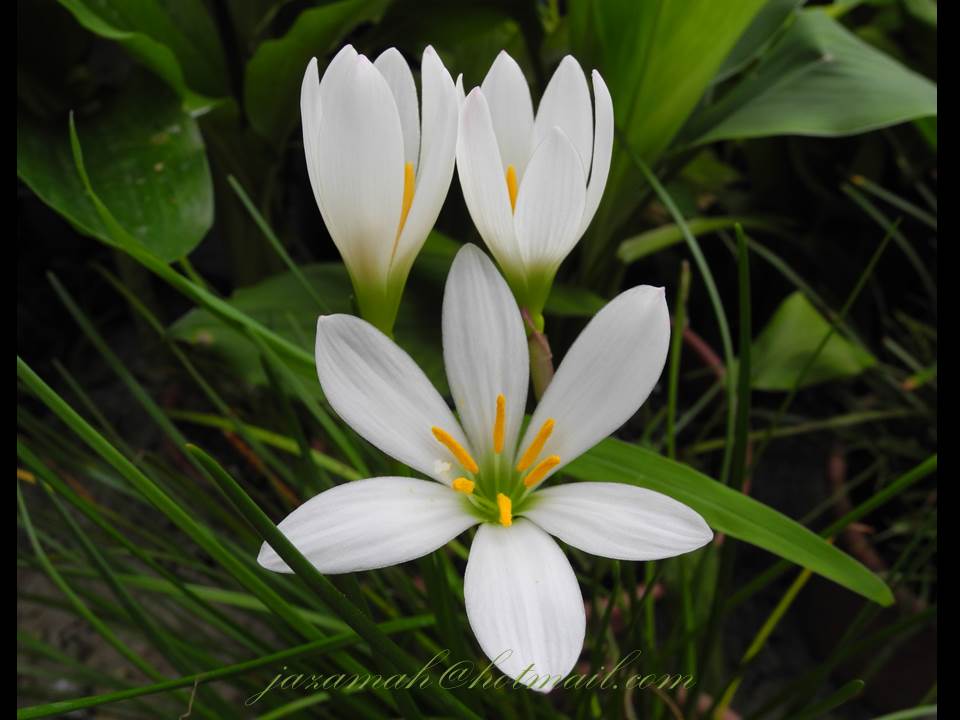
[(522, 598), (533, 184), (380, 164)]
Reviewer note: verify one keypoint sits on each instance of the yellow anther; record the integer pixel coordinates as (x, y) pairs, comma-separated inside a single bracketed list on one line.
[(506, 510), (409, 185), (536, 447), (512, 186), (458, 451), (499, 423), (461, 484), (540, 471), (27, 476)]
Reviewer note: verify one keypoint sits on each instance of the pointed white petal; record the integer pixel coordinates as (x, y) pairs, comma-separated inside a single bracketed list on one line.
[(483, 181), (511, 110), (360, 166), (618, 521), (372, 523), (310, 109), (602, 149), (437, 155), (397, 73), (566, 104), (523, 603), (607, 373), (343, 62), (381, 393), (550, 203), (461, 95), (484, 349)]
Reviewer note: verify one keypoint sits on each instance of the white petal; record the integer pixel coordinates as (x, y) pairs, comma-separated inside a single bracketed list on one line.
[(341, 63), (483, 181), (602, 149), (397, 73), (484, 349), (566, 104), (360, 166), (437, 155), (372, 523), (550, 202), (618, 521), (511, 109), (310, 110), (381, 393), (523, 602), (607, 373)]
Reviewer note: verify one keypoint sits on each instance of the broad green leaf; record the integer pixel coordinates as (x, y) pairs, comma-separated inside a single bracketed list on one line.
[(175, 39), (657, 58), (761, 32), (271, 87), (282, 304), (728, 511), (146, 158), (784, 346), (819, 79)]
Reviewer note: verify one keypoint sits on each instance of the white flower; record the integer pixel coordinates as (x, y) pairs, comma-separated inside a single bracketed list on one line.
[(522, 597), (380, 167), (532, 185)]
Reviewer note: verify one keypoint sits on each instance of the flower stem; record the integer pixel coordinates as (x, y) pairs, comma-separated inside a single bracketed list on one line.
[(541, 358)]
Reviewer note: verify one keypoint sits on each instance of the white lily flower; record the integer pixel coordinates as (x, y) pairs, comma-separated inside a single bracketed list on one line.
[(380, 167), (522, 598), (533, 184)]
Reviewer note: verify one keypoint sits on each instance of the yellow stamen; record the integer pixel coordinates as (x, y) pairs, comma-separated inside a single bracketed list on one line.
[(409, 185), (536, 447), (506, 510), (499, 423), (512, 186), (541, 470), (461, 484), (462, 456)]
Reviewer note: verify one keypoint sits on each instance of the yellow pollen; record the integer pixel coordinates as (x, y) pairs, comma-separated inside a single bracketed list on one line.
[(541, 470), (462, 456), (512, 186), (499, 423), (461, 484), (536, 447), (506, 508)]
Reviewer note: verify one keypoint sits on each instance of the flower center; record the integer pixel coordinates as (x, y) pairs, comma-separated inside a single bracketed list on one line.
[(498, 488)]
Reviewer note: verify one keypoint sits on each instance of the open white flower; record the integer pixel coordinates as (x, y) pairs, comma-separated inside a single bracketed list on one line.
[(380, 167), (522, 597), (533, 184)]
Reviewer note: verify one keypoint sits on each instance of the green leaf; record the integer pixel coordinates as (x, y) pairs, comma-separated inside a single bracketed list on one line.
[(729, 512), (657, 61), (145, 156), (784, 346), (271, 88), (660, 238), (175, 39), (761, 32), (282, 304), (819, 79)]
